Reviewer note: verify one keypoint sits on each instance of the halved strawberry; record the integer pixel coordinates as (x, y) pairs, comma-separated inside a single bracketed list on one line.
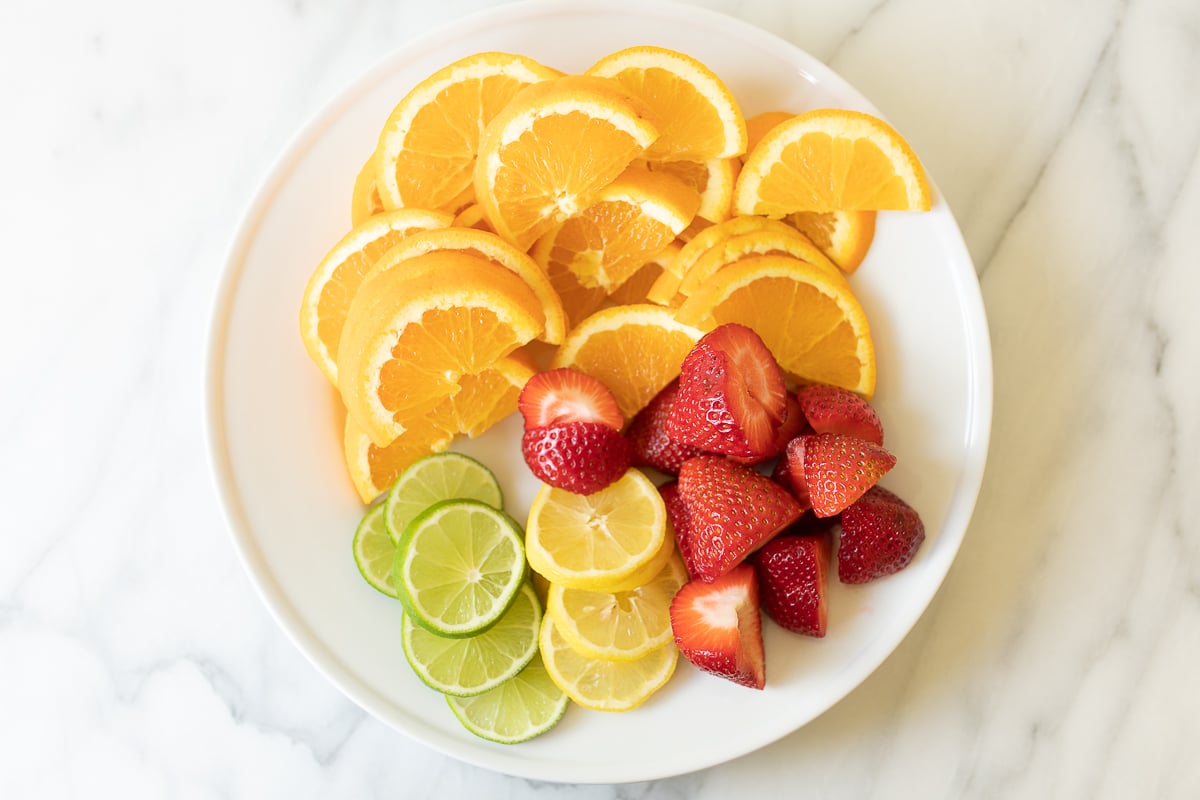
[(732, 397), (652, 447), (793, 579), (789, 472), (581, 457), (880, 535), (731, 511), (837, 469), (718, 628), (677, 513), (567, 395), (832, 409)]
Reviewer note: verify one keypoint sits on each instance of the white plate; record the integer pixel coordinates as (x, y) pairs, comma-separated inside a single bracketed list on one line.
[(276, 445)]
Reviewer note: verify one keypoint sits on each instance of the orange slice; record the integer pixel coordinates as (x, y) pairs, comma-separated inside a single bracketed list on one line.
[(695, 112), (760, 124), (550, 151), (807, 316), (365, 202), (713, 180), (844, 236), (472, 217), (634, 290), (775, 239), (336, 279), (633, 350), (831, 159), (411, 334), (491, 247), (632, 219), (428, 145), (482, 400), (665, 290)]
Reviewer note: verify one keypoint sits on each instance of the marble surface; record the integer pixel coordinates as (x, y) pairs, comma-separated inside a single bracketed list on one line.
[(1058, 659)]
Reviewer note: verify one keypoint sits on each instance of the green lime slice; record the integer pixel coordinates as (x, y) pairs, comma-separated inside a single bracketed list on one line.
[(374, 552), (459, 566), (432, 479), (517, 710), (471, 665)]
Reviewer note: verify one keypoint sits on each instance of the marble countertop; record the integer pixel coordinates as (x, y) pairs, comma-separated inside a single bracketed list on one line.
[(1057, 660)]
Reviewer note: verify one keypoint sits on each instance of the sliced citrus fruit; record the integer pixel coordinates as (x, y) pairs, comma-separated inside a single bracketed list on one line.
[(600, 683), (365, 202), (428, 145), (831, 159), (713, 180), (548, 153), (336, 279), (809, 318), (696, 114), (411, 334), (778, 239), (471, 217), (844, 236), (760, 124), (486, 245), (631, 220), (373, 469), (621, 626), (374, 551), (434, 478), (597, 540), (459, 566), (636, 289), (517, 710), (470, 665), (633, 350)]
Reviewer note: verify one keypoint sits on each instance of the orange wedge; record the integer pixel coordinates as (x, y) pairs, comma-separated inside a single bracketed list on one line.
[(634, 290), (831, 159), (365, 202), (665, 290), (806, 315), (546, 156), (411, 334), (695, 112), (775, 239), (632, 220), (471, 217), (633, 350), (491, 247), (336, 279), (428, 145), (758, 126), (713, 180), (844, 236)]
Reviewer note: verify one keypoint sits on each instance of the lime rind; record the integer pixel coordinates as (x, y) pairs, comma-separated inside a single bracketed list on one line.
[(471, 665), (517, 710), (374, 552), (459, 567), (434, 478)]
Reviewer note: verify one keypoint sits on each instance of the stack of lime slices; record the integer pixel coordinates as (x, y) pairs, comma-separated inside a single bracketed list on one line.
[(443, 545)]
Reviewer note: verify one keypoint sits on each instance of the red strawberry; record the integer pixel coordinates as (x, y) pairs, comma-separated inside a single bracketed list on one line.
[(717, 626), (789, 472), (792, 425), (792, 575), (880, 535), (652, 447), (731, 397), (677, 513), (837, 469), (731, 511), (581, 457), (568, 395), (832, 409)]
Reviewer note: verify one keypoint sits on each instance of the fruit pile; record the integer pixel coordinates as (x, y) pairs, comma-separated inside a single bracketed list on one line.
[(661, 286)]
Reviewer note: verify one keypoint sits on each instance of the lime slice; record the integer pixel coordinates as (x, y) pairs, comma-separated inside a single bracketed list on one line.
[(374, 552), (432, 479), (471, 665), (517, 710), (459, 566)]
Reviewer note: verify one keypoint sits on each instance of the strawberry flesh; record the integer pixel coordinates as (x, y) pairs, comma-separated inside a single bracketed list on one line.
[(652, 446), (677, 514), (732, 397), (731, 510), (567, 395), (837, 469), (793, 579), (832, 409), (717, 626), (581, 457), (789, 472), (880, 535)]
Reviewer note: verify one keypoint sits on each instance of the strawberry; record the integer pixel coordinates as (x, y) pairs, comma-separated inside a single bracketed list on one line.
[(792, 425), (791, 478), (718, 628), (567, 395), (677, 514), (732, 396), (880, 535), (731, 511), (581, 457), (792, 576), (832, 409), (652, 447), (837, 469)]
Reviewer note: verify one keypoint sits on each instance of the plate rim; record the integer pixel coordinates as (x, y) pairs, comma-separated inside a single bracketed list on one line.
[(979, 380)]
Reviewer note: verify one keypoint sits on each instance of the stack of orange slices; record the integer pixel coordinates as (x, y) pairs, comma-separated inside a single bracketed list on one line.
[(513, 217)]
